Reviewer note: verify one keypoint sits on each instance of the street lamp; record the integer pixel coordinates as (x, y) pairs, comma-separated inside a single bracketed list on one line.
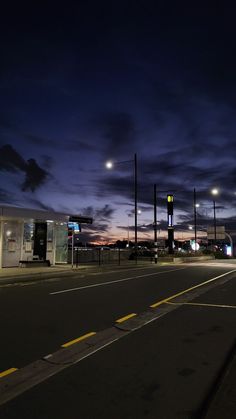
[(195, 206), (109, 165), (155, 221), (214, 193)]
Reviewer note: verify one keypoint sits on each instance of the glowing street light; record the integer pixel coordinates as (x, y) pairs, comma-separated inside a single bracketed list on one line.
[(109, 165), (214, 191)]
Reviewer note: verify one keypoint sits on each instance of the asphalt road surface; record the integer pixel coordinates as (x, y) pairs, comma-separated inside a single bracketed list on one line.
[(138, 343)]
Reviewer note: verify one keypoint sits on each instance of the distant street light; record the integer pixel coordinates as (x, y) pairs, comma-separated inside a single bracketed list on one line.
[(110, 165)]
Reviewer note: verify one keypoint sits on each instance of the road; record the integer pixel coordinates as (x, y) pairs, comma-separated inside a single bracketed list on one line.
[(174, 328)]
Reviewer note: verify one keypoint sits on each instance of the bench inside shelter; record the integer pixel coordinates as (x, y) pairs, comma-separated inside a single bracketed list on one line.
[(34, 262)]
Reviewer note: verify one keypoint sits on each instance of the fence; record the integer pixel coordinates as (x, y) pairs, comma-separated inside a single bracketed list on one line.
[(98, 256)]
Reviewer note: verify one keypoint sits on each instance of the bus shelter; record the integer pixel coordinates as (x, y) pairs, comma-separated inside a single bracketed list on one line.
[(30, 235)]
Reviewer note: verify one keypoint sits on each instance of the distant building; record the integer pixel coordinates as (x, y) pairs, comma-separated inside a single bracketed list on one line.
[(28, 234)]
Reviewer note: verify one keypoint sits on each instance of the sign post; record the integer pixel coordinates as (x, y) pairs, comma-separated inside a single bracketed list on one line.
[(216, 233), (170, 205)]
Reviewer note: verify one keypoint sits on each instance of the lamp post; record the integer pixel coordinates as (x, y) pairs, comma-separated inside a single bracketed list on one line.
[(128, 228), (195, 206), (109, 165), (155, 222), (195, 219), (214, 193)]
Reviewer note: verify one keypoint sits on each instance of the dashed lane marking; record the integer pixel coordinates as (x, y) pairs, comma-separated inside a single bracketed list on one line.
[(7, 372), (123, 319), (72, 342)]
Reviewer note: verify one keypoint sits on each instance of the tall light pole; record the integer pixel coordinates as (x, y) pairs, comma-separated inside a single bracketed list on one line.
[(109, 165), (135, 207), (195, 206), (195, 219), (155, 221), (128, 228), (214, 193)]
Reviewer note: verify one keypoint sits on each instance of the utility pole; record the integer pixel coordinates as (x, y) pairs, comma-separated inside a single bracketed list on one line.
[(155, 222), (135, 207), (195, 219), (214, 210)]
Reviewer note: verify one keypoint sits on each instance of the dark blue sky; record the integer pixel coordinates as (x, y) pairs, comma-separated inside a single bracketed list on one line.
[(92, 81)]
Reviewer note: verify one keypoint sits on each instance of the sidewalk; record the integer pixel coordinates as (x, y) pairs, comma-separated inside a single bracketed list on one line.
[(18, 273), (9, 275)]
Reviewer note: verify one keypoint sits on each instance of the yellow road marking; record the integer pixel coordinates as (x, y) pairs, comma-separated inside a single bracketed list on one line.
[(7, 372), (72, 342), (158, 303), (123, 319), (204, 305)]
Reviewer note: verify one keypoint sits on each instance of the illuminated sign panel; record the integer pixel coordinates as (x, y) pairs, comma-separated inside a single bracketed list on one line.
[(74, 226), (170, 201), (80, 220)]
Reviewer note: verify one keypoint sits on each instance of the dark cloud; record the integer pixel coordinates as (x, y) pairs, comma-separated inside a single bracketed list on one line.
[(104, 213), (99, 214), (10, 160), (35, 176)]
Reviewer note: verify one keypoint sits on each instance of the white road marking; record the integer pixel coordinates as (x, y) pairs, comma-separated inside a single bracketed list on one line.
[(113, 282)]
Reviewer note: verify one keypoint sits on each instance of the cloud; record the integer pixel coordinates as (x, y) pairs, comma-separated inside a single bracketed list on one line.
[(11, 161), (101, 223), (36, 203), (35, 176), (99, 214), (6, 198)]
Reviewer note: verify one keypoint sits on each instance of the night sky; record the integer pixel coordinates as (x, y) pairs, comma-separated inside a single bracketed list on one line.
[(95, 80)]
